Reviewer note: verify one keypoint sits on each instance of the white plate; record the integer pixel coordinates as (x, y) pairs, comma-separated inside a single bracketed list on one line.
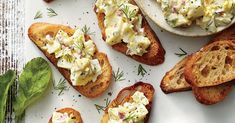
[(172, 108), (153, 10)]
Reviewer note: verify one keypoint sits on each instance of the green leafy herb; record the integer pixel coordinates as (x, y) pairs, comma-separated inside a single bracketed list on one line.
[(60, 86), (86, 30), (6, 81), (128, 13), (102, 108), (118, 76), (141, 70), (38, 15), (51, 12), (131, 116), (33, 83), (183, 53)]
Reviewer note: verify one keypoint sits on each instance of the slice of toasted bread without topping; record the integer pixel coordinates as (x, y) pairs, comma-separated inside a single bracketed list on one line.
[(174, 80), (212, 95), (125, 94), (228, 34), (155, 52), (77, 117), (212, 65), (37, 33)]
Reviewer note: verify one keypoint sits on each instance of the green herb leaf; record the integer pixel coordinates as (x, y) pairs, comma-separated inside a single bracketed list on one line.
[(60, 86), (100, 108), (33, 83), (51, 12), (38, 15), (118, 76), (6, 80), (129, 14), (130, 117), (86, 30), (141, 70), (183, 53)]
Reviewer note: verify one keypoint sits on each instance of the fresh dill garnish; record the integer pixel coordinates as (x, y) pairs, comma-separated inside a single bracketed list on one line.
[(51, 12), (141, 70), (86, 30), (79, 46), (131, 116), (118, 75), (183, 53), (127, 12), (38, 15), (60, 86), (101, 107)]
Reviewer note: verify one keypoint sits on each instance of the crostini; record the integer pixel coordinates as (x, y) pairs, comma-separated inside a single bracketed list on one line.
[(75, 55), (132, 105), (124, 27), (66, 115)]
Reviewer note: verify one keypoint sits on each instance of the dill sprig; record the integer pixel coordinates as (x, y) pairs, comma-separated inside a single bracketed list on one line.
[(51, 12), (38, 15), (100, 108), (127, 12), (141, 70), (183, 53), (86, 30), (118, 75), (60, 86), (131, 116)]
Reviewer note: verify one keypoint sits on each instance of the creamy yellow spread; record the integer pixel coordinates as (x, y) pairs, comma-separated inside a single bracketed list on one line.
[(62, 118), (130, 112), (208, 14), (75, 54), (123, 23)]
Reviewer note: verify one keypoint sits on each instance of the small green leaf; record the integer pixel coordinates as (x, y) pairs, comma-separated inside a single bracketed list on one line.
[(6, 80), (33, 83)]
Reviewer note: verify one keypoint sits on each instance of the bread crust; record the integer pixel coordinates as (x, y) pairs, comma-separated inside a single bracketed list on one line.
[(76, 114), (155, 53), (228, 34), (169, 86), (125, 95), (37, 33), (190, 64), (212, 95)]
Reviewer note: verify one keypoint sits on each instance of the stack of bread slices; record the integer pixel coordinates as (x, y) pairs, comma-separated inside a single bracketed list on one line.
[(209, 73)]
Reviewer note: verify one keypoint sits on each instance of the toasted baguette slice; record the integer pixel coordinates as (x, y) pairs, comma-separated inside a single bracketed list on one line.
[(228, 34), (174, 80), (212, 95), (155, 52), (212, 65), (77, 117), (125, 94), (37, 33)]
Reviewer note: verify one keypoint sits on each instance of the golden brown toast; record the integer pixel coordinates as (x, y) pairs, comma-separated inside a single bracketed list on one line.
[(155, 52), (212, 95), (77, 117), (228, 34), (174, 80), (37, 33), (125, 95), (213, 65)]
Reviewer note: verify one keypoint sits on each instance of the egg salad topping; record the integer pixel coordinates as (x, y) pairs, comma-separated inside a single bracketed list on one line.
[(75, 54), (62, 118), (208, 14), (123, 23), (130, 112)]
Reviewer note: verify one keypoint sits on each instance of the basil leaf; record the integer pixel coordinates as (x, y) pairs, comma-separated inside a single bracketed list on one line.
[(6, 81), (33, 82)]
